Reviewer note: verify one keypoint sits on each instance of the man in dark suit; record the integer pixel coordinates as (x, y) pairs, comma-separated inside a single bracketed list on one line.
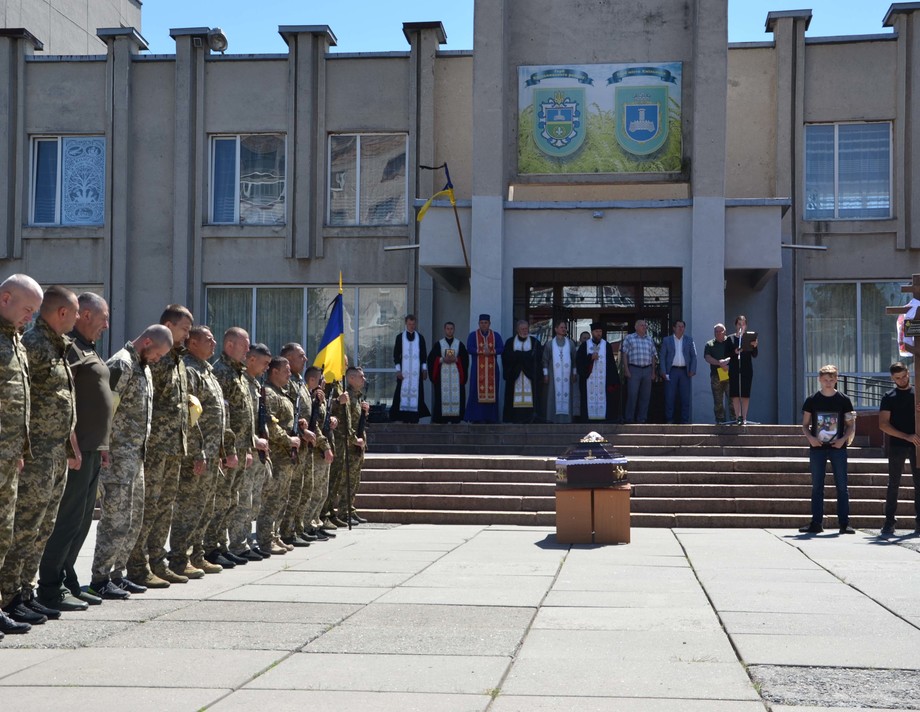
[(677, 366)]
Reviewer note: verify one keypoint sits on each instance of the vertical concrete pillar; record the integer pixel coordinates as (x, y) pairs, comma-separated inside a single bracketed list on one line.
[(122, 43), (703, 290), (306, 139), (905, 19), (15, 46), (490, 143), (190, 161), (424, 39), (788, 28)]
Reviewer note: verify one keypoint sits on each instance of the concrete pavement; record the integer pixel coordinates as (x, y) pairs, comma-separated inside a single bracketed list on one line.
[(503, 619)]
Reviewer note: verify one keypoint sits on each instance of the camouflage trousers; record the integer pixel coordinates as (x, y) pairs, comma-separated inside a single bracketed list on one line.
[(121, 488), (226, 504), (194, 509), (41, 484), (274, 498), (314, 514), (339, 489), (161, 484), (9, 481), (299, 495), (250, 502)]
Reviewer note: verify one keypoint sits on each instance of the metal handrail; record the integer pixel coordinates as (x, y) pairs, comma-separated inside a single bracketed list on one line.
[(865, 391)]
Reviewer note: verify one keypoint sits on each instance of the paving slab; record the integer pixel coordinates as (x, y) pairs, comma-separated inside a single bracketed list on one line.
[(67, 634), (617, 619), (469, 591), (147, 667), (299, 700), (138, 608), (857, 651), (12, 661), (453, 674), (360, 579), (136, 699), (628, 599), (424, 630), (216, 635), (879, 621), (522, 703), (260, 612), (301, 594)]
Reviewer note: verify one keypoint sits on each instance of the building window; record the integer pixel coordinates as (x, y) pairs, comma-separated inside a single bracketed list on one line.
[(848, 171), (248, 180), (276, 315), (68, 180), (846, 325), (368, 183)]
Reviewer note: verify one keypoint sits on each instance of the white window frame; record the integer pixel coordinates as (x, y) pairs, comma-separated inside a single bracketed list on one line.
[(331, 189), (837, 125), (58, 139), (236, 174)]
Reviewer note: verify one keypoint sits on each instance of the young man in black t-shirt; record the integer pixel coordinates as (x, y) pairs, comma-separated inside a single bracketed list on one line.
[(829, 424), (896, 419)]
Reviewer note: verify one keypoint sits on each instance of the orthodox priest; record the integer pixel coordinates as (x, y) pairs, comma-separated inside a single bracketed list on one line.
[(598, 378), (560, 376), (410, 357), (484, 346), (522, 361), (449, 368)]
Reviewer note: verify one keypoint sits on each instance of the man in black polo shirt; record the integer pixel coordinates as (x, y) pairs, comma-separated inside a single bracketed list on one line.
[(896, 418)]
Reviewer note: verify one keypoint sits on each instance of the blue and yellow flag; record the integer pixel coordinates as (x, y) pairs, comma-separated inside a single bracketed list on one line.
[(331, 354), (447, 190)]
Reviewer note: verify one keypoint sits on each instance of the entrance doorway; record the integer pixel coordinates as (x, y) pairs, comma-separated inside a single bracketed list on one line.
[(615, 298)]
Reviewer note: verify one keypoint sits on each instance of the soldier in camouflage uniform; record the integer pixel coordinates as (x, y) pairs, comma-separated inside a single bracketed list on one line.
[(168, 445), (254, 476), (122, 482), (53, 415), (291, 528), (348, 408), (20, 298), (282, 446), (322, 455), (330, 522), (195, 500), (241, 420)]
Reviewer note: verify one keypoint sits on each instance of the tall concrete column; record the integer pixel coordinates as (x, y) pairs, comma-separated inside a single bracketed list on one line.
[(788, 28), (905, 19), (490, 101), (15, 46), (122, 43), (190, 157), (704, 293), (424, 39), (306, 140)]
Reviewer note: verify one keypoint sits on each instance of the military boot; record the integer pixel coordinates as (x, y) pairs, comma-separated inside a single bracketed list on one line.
[(168, 575)]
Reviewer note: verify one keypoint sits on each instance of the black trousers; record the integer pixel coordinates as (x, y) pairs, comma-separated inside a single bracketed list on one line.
[(75, 517), (896, 457)]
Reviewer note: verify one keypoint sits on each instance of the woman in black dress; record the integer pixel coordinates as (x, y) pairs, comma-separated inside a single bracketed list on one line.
[(741, 369)]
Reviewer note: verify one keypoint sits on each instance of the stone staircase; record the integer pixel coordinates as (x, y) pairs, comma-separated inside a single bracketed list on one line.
[(682, 476)]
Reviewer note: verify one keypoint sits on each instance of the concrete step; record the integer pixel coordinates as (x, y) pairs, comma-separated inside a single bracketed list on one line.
[(664, 448)]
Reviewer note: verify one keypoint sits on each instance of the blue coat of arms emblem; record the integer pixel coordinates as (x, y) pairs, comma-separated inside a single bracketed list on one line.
[(641, 118), (558, 117)]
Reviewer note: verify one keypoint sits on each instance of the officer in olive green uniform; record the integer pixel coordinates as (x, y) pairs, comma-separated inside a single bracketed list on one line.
[(283, 448), (168, 445), (241, 418), (122, 483), (349, 408), (199, 475), (20, 298), (41, 483), (291, 527), (254, 476), (322, 455)]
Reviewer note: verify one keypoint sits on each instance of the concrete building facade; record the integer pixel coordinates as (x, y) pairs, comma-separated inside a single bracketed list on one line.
[(242, 185)]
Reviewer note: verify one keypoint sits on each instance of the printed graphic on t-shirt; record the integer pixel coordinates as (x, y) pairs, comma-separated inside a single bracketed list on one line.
[(826, 426)]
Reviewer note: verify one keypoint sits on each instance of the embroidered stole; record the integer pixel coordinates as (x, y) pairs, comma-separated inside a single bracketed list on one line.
[(486, 385), (450, 380), (411, 367), (523, 387), (562, 381), (597, 381)]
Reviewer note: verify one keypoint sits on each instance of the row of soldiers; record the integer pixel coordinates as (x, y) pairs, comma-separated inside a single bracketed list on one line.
[(184, 455)]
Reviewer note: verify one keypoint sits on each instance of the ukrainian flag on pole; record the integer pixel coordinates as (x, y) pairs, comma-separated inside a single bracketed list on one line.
[(331, 354)]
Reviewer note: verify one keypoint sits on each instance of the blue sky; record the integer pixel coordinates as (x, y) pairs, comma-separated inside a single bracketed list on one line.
[(373, 26)]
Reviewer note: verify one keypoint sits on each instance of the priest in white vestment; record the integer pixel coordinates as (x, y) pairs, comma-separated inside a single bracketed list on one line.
[(411, 359)]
